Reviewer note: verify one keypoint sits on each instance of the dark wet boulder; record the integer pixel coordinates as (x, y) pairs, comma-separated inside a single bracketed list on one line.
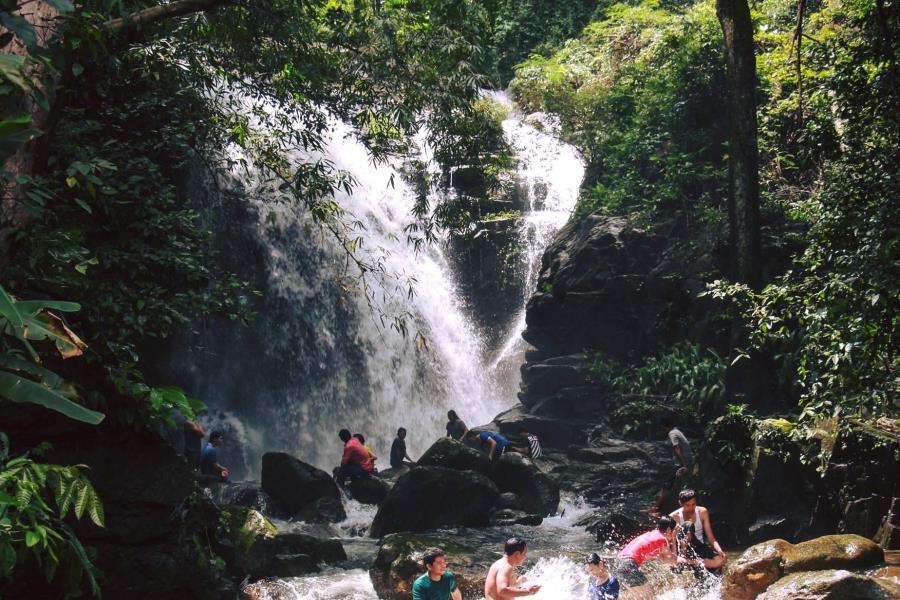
[(509, 500), (452, 454), (505, 517), (293, 483), (617, 525), (322, 510), (553, 432), (399, 563), (432, 497), (831, 585), (536, 491), (369, 489), (244, 493)]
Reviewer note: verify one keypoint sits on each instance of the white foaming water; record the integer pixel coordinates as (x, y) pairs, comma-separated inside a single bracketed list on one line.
[(334, 585), (549, 174)]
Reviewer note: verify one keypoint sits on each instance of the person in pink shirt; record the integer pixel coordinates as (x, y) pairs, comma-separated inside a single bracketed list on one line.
[(355, 461), (657, 544)]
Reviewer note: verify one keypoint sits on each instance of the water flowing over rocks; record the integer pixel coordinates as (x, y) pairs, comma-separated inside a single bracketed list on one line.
[(399, 563)]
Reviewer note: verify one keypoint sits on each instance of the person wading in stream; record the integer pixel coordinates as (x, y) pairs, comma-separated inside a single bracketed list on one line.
[(602, 585), (657, 544), (703, 542), (502, 582), (437, 583)]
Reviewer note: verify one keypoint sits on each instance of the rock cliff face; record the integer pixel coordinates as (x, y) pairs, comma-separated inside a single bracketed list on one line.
[(604, 287)]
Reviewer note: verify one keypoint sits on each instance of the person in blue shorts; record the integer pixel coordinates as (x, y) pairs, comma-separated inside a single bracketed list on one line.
[(437, 583), (493, 443), (602, 585)]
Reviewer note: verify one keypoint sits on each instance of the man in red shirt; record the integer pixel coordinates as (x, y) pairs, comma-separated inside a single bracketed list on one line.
[(656, 544), (356, 460)]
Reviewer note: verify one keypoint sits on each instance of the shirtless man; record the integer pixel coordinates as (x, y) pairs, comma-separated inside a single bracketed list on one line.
[(502, 582), (704, 543)]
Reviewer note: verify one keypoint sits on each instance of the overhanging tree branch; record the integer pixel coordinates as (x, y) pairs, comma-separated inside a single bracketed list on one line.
[(161, 12)]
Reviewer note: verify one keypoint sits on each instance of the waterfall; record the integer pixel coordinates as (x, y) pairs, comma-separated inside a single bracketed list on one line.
[(319, 357), (549, 174)]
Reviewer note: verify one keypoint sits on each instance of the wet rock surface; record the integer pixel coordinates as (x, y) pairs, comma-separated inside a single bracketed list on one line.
[(451, 454), (762, 565), (831, 585), (431, 497), (537, 492), (295, 484)]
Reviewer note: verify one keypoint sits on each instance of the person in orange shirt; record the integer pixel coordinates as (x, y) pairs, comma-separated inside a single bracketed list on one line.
[(355, 461)]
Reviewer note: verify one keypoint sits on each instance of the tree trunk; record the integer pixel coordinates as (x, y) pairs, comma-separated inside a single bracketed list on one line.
[(744, 376)]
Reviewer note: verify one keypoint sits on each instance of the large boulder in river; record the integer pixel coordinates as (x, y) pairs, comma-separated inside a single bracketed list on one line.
[(369, 489), (295, 484), (552, 432), (831, 585), (763, 564), (399, 563), (452, 454), (431, 497), (536, 491)]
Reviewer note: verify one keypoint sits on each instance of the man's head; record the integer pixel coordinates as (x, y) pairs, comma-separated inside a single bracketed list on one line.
[(667, 422), (515, 550), (360, 437), (216, 438), (596, 566), (473, 436), (667, 526), (344, 434), (401, 433), (451, 414), (435, 562), (687, 498), (523, 432)]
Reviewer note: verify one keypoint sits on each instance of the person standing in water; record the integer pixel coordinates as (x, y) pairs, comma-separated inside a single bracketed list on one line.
[(502, 582), (658, 544), (602, 585), (683, 458), (437, 583)]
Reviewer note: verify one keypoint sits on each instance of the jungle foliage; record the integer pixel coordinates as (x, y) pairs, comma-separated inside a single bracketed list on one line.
[(642, 93)]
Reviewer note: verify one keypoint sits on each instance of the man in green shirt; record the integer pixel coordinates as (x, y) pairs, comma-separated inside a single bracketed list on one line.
[(437, 583)]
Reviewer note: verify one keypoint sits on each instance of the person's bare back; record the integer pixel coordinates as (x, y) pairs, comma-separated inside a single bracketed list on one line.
[(500, 571)]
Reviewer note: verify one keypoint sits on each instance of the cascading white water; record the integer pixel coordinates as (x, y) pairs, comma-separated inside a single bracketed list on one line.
[(549, 174)]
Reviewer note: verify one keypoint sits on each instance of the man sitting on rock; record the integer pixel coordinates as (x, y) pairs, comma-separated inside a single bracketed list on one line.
[(704, 543), (399, 457), (355, 461), (493, 443), (502, 582), (437, 583), (658, 544), (209, 459)]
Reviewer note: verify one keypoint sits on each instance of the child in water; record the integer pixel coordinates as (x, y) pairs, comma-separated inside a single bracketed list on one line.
[(602, 586)]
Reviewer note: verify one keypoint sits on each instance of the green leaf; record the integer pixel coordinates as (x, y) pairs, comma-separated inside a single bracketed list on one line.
[(21, 27), (31, 538), (7, 559), (9, 310), (33, 306), (82, 501), (19, 389), (84, 205), (11, 70), (63, 6)]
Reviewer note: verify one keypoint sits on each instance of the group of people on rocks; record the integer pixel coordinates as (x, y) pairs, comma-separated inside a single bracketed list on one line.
[(683, 539), (358, 459)]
